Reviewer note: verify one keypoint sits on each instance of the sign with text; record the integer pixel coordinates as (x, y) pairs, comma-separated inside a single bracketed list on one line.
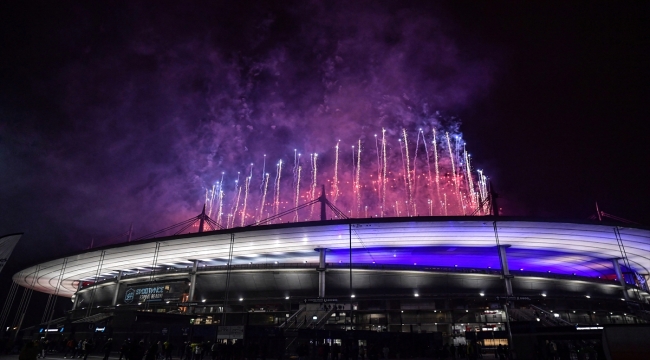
[(230, 332), (321, 300), (152, 293)]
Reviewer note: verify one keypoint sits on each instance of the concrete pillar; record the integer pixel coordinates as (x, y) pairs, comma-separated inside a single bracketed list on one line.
[(504, 267), (117, 287), (322, 265), (195, 267), (621, 279), (76, 296)]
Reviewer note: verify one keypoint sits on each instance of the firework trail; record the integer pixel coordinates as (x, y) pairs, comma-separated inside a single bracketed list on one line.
[(247, 182), (453, 172), (460, 170), (408, 175), (383, 177), (336, 174), (265, 185), (314, 181), (470, 182), (276, 199), (236, 208), (297, 192), (401, 151), (220, 212), (354, 178), (378, 168), (359, 199), (435, 154), (358, 179), (264, 174), (415, 176), (445, 203), (429, 187)]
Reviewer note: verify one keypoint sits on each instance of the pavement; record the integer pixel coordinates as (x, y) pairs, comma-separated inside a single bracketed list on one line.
[(100, 357)]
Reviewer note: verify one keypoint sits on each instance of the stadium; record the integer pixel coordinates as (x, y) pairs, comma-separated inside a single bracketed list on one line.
[(440, 280)]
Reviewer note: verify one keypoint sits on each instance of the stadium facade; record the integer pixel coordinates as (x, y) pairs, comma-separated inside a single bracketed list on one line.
[(450, 276)]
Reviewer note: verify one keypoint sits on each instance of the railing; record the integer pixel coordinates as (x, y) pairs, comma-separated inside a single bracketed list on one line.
[(552, 316), (325, 317), (292, 317)]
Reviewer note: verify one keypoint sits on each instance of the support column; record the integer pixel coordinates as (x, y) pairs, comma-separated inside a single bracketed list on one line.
[(504, 268), (322, 265), (117, 287), (195, 267), (75, 301), (621, 278)]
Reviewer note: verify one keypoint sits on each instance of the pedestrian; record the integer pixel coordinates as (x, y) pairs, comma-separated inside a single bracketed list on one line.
[(87, 347), (29, 352), (107, 348), (124, 350), (167, 345)]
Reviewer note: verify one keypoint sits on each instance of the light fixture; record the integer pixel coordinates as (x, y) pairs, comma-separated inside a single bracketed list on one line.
[(203, 300), (276, 262), (588, 297), (416, 294), (352, 296), (286, 298), (466, 310), (241, 299), (482, 294), (544, 294), (314, 317)]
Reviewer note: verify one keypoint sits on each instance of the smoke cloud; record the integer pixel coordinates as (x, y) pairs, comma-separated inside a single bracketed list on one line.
[(133, 113)]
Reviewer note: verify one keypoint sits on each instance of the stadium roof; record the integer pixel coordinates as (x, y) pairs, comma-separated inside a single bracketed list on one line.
[(560, 247)]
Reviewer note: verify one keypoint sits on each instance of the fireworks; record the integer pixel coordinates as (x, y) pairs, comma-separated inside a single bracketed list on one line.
[(404, 175)]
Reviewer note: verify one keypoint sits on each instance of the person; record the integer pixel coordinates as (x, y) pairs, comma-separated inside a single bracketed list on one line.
[(87, 347), (198, 350), (124, 350), (40, 348), (29, 352), (69, 347), (168, 350), (77, 349), (213, 350), (107, 348)]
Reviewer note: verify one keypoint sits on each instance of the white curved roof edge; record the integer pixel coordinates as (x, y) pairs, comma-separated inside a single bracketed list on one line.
[(295, 242)]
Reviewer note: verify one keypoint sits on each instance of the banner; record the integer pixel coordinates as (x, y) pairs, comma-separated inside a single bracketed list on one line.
[(7, 244), (153, 293)]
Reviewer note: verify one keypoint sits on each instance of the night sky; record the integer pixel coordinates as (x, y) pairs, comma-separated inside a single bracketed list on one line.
[(118, 113)]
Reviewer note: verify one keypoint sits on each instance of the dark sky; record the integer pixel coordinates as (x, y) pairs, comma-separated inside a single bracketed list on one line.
[(114, 113)]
